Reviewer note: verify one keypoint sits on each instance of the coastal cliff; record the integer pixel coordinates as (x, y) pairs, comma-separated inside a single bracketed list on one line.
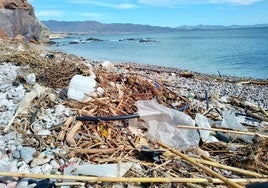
[(17, 18)]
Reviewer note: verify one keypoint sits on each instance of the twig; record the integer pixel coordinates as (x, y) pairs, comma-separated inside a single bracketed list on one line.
[(130, 180), (224, 130), (256, 116), (206, 169), (70, 136), (64, 128), (265, 113)]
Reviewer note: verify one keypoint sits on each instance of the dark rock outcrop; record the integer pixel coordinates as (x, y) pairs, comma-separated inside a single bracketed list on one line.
[(17, 18)]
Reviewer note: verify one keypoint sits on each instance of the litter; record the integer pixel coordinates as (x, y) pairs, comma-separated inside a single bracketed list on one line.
[(141, 124)]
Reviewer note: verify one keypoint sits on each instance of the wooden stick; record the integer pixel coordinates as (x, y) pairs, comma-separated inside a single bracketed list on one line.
[(64, 128), (206, 169), (130, 180), (265, 113), (257, 116), (224, 130), (234, 169), (70, 136)]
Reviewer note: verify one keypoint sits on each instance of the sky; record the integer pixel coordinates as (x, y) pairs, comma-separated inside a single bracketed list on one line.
[(170, 13)]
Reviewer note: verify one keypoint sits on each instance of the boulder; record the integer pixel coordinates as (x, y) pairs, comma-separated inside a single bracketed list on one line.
[(17, 18)]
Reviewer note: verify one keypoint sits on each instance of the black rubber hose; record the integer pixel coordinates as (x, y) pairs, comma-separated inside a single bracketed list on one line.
[(108, 118)]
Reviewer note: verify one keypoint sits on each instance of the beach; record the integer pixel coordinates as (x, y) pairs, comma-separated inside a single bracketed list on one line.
[(42, 135)]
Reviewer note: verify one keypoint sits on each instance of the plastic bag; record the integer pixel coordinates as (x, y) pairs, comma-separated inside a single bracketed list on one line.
[(162, 125)]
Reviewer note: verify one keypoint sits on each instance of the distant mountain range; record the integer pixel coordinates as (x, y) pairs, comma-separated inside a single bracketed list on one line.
[(97, 27)]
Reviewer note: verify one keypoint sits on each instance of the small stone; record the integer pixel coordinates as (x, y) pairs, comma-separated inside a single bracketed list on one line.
[(54, 164), (12, 184), (46, 168), (30, 78), (2, 185), (16, 154), (41, 159), (36, 170), (27, 153)]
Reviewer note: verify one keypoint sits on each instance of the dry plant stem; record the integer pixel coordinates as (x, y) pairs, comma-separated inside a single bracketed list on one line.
[(224, 130), (263, 111), (238, 170), (66, 125), (70, 136), (257, 116), (130, 180), (206, 169)]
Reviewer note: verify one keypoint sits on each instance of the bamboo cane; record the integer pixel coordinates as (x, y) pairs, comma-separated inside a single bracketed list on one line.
[(230, 168), (206, 169), (224, 130), (130, 180), (263, 111)]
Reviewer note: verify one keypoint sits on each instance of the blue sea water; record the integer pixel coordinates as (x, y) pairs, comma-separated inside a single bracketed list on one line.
[(234, 52)]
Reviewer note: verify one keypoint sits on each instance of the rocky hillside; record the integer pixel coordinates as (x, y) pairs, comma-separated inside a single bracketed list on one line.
[(17, 18)]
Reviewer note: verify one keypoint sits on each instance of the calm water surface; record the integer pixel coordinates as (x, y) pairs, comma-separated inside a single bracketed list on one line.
[(237, 52)]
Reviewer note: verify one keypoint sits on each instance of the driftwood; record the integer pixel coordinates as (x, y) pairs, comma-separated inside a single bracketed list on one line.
[(70, 136), (64, 128)]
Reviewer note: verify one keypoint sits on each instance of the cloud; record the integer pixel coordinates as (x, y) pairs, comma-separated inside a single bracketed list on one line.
[(238, 2), (187, 2), (105, 4), (91, 15), (50, 13)]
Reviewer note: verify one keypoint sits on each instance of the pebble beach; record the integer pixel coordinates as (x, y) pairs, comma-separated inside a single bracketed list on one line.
[(20, 75)]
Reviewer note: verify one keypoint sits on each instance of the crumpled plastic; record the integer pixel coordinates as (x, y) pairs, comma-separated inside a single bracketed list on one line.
[(202, 121), (162, 125), (103, 170), (231, 121)]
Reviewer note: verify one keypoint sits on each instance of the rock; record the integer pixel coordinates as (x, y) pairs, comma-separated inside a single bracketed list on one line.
[(55, 164), (16, 154), (17, 18), (46, 168), (2, 185), (19, 38), (108, 66), (27, 153), (12, 185), (36, 170), (30, 78), (41, 159)]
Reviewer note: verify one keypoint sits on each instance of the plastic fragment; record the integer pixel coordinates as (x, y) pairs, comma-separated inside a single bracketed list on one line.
[(151, 155), (162, 125)]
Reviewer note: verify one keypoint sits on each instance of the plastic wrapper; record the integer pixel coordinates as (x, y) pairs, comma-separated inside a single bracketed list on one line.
[(202, 121), (162, 125)]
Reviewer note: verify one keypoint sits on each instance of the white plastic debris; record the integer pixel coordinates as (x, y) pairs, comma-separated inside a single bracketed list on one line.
[(80, 87), (108, 66), (162, 125), (202, 121), (101, 170), (231, 121)]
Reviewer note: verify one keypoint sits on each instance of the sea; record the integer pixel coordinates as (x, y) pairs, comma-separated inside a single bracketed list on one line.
[(239, 52)]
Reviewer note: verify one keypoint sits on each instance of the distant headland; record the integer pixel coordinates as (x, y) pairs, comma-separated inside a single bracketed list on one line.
[(98, 27)]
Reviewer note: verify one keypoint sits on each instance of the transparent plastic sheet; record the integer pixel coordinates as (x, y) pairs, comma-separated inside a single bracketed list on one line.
[(231, 121), (202, 121), (162, 125)]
